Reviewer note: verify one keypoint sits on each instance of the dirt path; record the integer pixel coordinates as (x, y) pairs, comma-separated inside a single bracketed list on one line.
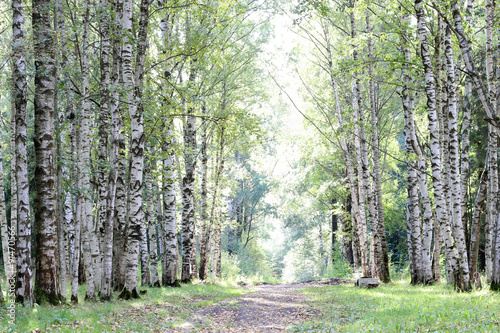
[(269, 308)]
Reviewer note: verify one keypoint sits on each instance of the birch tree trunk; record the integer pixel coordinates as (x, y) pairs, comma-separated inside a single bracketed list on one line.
[(46, 287), (360, 195), (413, 203), (4, 228), (417, 159), (170, 249), (136, 213), (111, 220), (24, 285), (360, 224), (74, 227), (104, 224), (492, 146), (439, 195), (85, 204), (204, 239), (117, 154), (145, 270), (466, 119), (381, 254), (188, 240), (215, 223), (153, 221), (59, 120), (456, 189), (476, 222)]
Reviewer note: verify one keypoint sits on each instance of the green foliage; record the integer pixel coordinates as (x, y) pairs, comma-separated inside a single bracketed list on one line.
[(230, 266), (338, 268), (250, 264)]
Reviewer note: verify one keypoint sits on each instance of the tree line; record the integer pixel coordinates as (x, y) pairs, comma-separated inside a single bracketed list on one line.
[(113, 105), (405, 97)]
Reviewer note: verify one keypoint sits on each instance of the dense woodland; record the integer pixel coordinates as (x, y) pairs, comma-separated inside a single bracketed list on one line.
[(159, 142)]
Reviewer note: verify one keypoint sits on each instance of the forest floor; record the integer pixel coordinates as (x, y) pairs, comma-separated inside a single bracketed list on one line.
[(264, 308), (332, 305)]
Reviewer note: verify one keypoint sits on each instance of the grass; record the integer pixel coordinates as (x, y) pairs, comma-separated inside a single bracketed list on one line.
[(400, 307), (159, 308)]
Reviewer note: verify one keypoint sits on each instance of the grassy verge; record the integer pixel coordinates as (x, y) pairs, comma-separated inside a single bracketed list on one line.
[(160, 308), (401, 307)]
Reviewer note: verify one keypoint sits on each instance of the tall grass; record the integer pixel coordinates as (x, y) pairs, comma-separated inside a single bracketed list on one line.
[(400, 307), (159, 308)]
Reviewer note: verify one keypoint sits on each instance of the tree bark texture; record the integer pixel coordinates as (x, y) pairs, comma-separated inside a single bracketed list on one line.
[(46, 287), (24, 285)]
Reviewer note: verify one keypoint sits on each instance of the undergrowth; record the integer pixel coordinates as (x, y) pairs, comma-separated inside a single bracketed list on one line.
[(400, 307), (159, 308)]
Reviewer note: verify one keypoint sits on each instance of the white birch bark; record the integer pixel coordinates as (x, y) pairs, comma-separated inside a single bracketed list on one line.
[(188, 271), (117, 154), (4, 228), (415, 251), (153, 221), (144, 252), (24, 285), (360, 195), (466, 122), (456, 189), (418, 161), (204, 239), (46, 282), (103, 181), (85, 204), (439, 195), (170, 248), (381, 253), (134, 90), (215, 223)]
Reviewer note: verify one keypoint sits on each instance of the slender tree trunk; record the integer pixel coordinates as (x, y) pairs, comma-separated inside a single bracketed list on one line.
[(117, 155), (75, 227), (413, 203), (84, 166), (4, 228), (46, 288), (439, 195), (153, 221), (204, 239), (466, 119), (24, 285), (136, 213), (456, 194), (492, 146), (170, 248), (215, 223), (104, 224), (476, 222), (188, 241), (359, 218), (382, 256), (145, 269)]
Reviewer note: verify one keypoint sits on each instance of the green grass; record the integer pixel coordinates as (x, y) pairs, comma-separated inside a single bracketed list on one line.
[(401, 307), (159, 308)]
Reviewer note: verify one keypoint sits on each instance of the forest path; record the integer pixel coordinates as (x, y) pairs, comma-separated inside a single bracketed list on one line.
[(266, 308)]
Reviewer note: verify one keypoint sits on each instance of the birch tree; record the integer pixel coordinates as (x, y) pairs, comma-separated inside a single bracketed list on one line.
[(24, 285), (134, 87), (46, 288), (439, 195)]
